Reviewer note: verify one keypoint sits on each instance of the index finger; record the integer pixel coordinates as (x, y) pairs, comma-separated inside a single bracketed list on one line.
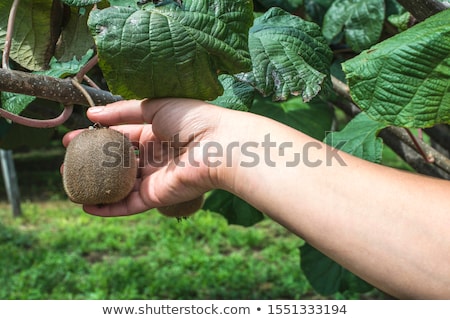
[(130, 111)]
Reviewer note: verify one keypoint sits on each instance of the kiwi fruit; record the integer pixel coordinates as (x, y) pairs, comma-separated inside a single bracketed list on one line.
[(100, 167), (182, 209)]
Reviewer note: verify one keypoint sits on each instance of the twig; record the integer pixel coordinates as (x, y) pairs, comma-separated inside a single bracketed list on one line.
[(341, 88), (86, 68), (410, 155), (90, 82), (84, 92), (37, 123), (9, 34), (417, 145)]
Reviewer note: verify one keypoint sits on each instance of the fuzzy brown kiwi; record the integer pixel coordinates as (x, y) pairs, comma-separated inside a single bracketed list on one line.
[(183, 209), (99, 167)]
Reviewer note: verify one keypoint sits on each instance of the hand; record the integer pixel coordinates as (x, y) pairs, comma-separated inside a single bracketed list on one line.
[(167, 133)]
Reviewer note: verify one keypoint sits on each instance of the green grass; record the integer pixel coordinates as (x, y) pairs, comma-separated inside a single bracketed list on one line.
[(56, 251)]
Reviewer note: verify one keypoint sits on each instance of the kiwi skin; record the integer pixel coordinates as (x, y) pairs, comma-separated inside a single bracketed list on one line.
[(182, 209), (100, 167)]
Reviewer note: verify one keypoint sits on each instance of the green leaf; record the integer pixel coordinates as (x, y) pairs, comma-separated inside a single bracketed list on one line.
[(362, 21), (237, 95), (397, 15), (359, 138), (326, 276), (234, 209), (35, 32), (289, 55), (16, 103), (80, 3), (404, 80), (170, 50), (76, 38), (400, 21), (314, 118)]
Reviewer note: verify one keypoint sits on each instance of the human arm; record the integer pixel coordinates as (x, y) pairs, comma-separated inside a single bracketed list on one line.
[(385, 225)]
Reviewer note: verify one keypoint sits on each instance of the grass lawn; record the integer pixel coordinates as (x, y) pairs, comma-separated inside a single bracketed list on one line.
[(56, 251)]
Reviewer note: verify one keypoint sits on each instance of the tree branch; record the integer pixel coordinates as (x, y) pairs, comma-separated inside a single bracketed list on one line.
[(410, 156), (50, 88), (422, 9)]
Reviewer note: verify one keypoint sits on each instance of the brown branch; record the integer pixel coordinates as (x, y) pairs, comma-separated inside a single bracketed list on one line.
[(50, 88), (410, 155), (422, 9)]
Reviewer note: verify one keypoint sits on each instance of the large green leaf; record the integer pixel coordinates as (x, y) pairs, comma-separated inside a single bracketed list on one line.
[(362, 21), (359, 138), (171, 50), (36, 30), (404, 80), (76, 38), (326, 276), (289, 55), (237, 95)]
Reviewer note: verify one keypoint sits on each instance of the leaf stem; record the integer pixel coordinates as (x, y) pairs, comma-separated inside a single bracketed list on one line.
[(84, 92), (9, 33), (86, 68), (90, 82), (37, 123), (417, 145)]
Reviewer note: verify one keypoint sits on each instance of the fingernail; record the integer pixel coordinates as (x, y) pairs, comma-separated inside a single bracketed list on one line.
[(96, 109)]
